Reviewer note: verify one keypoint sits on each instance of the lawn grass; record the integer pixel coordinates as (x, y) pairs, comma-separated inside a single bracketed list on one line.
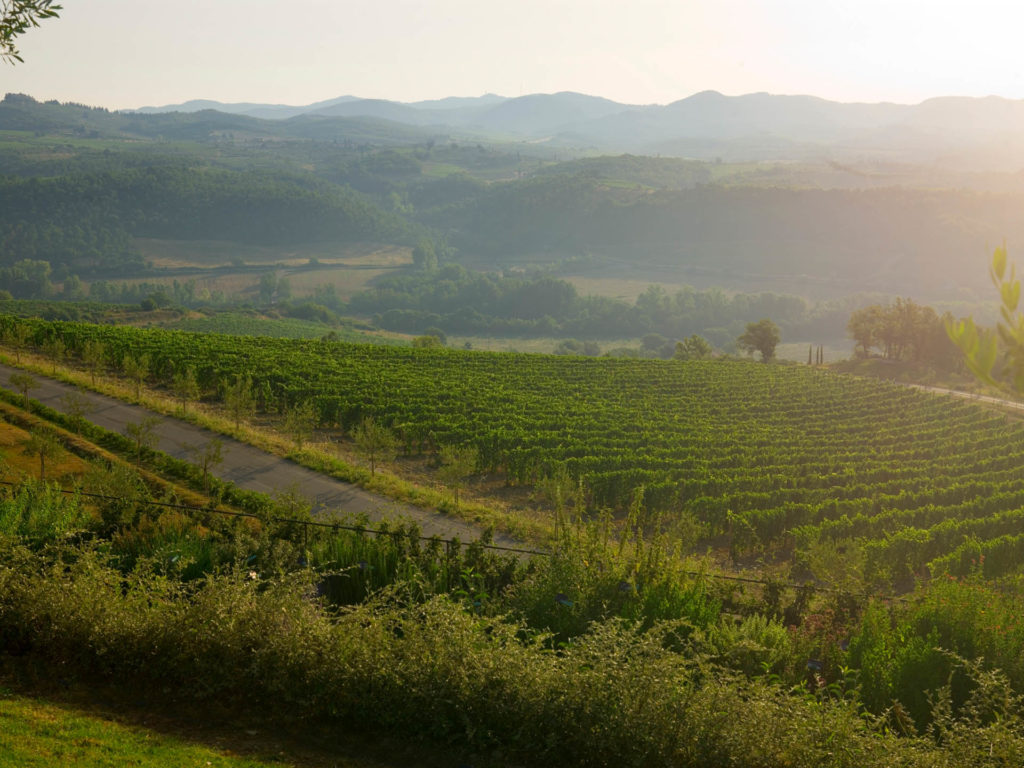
[(66, 723), (38, 733), (540, 344)]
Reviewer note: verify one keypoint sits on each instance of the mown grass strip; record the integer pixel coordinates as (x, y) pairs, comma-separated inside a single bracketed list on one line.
[(34, 732)]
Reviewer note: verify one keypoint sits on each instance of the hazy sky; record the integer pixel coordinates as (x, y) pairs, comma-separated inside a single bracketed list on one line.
[(131, 53)]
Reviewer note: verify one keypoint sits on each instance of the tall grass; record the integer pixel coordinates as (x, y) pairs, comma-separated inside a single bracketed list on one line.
[(39, 513)]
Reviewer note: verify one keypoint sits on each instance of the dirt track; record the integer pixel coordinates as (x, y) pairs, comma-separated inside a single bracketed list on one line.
[(249, 467)]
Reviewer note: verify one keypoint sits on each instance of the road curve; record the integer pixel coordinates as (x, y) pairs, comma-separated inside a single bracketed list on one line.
[(967, 395), (251, 468)]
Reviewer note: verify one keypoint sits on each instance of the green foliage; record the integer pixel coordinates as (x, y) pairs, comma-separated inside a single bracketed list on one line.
[(45, 446), (457, 300), (94, 356), (239, 398), (374, 442), (424, 256), (762, 336), (185, 386), (693, 348), (39, 514), (603, 621), (427, 342), (85, 222), (243, 324), (753, 644), (207, 458), (592, 577), (904, 330), (299, 422), (77, 406), (17, 336), (16, 18), (458, 462), (881, 480), (907, 654), (28, 278), (143, 434), (996, 356), (23, 382), (137, 369), (656, 172), (615, 695), (55, 350)]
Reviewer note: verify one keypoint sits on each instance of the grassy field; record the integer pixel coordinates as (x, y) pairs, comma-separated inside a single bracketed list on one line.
[(92, 726), (258, 324), (797, 351), (494, 344), (212, 253), (621, 288), (34, 732), (349, 268), (14, 463)]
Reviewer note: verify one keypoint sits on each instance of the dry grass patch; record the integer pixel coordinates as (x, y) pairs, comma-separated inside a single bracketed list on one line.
[(213, 253), (17, 464)]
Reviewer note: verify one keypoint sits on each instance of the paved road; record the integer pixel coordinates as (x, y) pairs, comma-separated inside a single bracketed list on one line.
[(968, 395), (251, 468)]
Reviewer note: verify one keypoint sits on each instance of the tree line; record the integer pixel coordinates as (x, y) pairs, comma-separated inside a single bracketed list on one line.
[(904, 330), (456, 300)]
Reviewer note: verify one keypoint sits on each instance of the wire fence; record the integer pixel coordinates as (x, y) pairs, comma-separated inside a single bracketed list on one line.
[(336, 526), (292, 521)]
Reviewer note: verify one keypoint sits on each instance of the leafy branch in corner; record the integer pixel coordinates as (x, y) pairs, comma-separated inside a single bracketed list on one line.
[(16, 18), (996, 356)]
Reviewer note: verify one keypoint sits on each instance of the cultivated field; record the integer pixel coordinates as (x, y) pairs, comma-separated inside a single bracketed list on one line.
[(778, 460)]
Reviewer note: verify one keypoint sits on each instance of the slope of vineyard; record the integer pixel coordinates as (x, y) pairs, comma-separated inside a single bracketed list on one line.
[(772, 458)]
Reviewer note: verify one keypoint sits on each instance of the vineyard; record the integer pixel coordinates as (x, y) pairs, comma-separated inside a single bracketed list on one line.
[(237, 324), (764, 459)]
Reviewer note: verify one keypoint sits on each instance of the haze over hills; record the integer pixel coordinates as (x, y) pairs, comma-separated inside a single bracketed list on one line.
[(825, 228), (983, 133)]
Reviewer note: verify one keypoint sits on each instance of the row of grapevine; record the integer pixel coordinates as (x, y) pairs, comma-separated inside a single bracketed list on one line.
[(791, 455)]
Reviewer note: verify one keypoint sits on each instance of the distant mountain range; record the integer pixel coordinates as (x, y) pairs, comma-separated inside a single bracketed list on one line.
[(977, 132)]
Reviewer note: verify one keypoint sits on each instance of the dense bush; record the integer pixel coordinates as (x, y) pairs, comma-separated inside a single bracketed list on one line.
[(607, 653), (615, 696)]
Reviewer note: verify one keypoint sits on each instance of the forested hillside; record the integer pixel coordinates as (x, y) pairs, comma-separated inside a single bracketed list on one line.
[(80, 183), (891, 240), (19, 112), (84, 223)]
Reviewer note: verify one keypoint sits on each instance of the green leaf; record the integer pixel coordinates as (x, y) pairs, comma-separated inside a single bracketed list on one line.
[(1010, 294), (999, 264)]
